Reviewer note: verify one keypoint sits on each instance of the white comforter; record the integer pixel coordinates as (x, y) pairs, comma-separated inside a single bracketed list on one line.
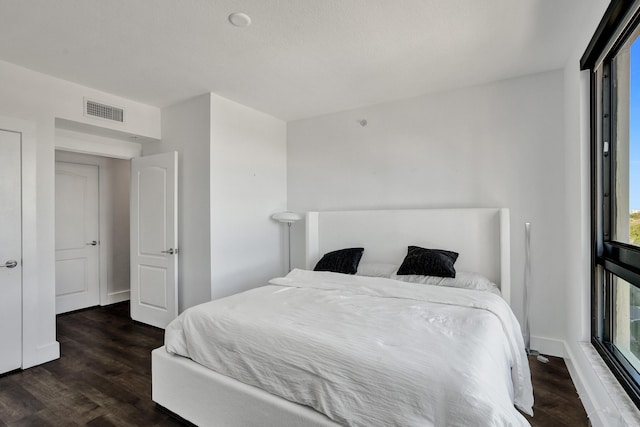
[(367, 351)]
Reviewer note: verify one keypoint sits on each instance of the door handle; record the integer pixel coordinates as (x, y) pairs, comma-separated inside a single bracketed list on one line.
[(170, 251), (92, 243), (10, 264)]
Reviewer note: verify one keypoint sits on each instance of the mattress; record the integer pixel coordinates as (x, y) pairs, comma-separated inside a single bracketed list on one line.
[(367, 351)]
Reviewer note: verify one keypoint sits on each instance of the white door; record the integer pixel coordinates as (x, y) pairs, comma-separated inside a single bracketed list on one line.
[(10, 252), (154, 239), (77, 250)]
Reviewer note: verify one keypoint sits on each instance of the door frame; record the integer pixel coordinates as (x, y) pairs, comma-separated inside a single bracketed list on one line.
[(69, 302), (11, 280), (104, 210), (91, 145), (34, 256)]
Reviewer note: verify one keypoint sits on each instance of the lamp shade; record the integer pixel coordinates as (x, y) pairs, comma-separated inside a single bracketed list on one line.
[(288, 217)]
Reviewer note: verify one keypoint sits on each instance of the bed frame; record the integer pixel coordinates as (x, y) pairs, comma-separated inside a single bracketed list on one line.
[(479, 235)]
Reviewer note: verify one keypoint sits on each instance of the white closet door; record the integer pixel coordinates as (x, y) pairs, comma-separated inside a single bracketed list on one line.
[(10, 252), (154, 239), (77, 241)]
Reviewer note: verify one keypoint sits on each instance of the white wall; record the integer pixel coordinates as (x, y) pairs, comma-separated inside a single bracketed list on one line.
[(114, 184), (248, 184), (232, 177), (496, 145), (186, 129), (36, 100), (30, 95), (120, 278), (85, 143)]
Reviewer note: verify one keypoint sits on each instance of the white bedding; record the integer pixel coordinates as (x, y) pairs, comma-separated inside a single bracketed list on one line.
[(367, 351)]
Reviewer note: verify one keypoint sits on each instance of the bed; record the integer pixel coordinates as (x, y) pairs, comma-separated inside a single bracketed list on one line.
[(261, 370)]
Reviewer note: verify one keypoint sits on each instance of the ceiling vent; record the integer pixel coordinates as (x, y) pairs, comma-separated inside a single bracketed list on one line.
[(103, 111)]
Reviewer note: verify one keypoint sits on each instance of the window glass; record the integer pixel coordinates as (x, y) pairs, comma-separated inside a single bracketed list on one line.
[(626, 336), (634, 145), (626, 145)]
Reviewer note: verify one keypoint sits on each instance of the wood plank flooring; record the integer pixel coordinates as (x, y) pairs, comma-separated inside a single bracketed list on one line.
[(556, 401), (103, 378)]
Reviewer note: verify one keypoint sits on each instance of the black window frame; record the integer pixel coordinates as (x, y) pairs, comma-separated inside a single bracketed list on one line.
[(608, 257)]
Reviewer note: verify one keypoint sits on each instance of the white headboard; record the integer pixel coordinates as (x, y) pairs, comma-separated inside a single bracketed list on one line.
[(479, 235)]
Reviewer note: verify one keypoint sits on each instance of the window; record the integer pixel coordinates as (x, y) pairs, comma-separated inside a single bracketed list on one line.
[(626, 322), (614, 58)]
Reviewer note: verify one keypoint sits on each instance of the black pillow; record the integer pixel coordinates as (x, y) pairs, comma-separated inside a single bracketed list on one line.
[(428, 262), (342, 261)]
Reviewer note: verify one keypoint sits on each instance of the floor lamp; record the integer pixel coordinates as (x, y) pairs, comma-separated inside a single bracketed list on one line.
[(287, 218)]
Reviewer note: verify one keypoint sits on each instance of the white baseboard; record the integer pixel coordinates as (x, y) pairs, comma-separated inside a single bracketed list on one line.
[(115, 297), (42, 354), (548, 346)]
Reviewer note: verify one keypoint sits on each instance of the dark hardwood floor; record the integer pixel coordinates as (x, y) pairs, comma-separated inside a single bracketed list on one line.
[(103, 378), (556, 399)]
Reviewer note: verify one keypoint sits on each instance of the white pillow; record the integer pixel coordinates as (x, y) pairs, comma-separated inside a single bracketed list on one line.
[(463, 279), (376, 269)]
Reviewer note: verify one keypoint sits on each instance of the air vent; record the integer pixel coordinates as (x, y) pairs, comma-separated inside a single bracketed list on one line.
[(103, 111)]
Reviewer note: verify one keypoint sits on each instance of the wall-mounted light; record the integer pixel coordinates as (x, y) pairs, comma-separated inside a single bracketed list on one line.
[(362, 122)]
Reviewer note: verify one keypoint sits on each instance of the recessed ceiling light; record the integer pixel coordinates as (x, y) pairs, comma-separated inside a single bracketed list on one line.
[(240, 19)]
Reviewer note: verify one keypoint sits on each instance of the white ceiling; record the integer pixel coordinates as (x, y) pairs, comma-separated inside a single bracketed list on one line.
[(299, 58)]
